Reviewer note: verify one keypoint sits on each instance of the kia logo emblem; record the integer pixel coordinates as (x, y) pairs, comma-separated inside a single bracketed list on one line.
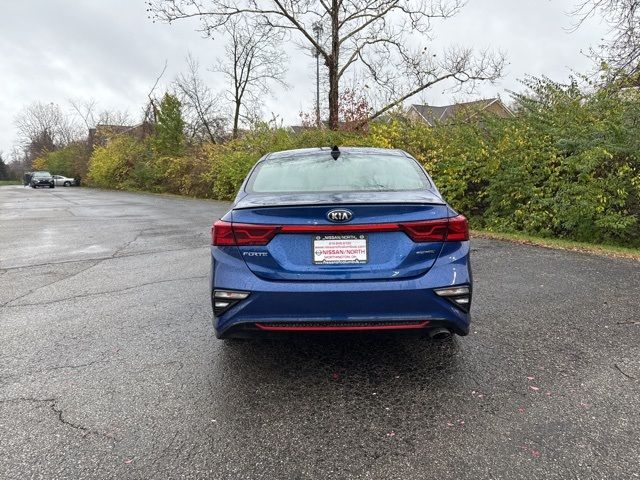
[(339, 215)]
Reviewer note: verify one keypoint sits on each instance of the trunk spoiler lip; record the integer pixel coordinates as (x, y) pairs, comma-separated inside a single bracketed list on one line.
[(324, 204), (396, 198)]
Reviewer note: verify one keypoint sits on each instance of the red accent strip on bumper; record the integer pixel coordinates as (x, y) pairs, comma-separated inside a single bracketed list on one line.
[(340, 328)]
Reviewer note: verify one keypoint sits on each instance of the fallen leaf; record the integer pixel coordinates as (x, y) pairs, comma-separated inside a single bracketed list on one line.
[(535, 389), (128, 461)]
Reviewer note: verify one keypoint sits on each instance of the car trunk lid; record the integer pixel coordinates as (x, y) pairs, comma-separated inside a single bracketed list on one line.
[(381, 241)]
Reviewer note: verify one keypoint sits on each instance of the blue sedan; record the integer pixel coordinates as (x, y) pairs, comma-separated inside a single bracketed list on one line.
[(340, 239)]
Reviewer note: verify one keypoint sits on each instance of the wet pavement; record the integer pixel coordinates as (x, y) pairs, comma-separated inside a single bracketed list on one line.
[(109, 367)]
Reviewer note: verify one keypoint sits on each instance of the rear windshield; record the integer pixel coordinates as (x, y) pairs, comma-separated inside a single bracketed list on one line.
[(349, 173)]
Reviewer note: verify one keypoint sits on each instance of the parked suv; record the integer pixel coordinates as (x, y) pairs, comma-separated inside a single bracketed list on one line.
[(42, 179)]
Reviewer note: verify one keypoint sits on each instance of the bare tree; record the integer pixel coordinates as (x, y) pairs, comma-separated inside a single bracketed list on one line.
[(622, 51), (44, 127), (150, 113), (367, 35), (46, 123), (88, 113), (201, 107), (252, 63), (417, 70)]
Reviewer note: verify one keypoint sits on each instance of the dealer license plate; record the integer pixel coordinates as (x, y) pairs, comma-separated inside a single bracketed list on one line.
[(339, 249)]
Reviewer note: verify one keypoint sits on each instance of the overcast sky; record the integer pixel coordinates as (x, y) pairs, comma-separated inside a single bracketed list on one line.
[(56, 50)]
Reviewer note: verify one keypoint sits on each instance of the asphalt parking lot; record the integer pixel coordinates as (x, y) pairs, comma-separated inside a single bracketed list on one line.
[(109, 367)]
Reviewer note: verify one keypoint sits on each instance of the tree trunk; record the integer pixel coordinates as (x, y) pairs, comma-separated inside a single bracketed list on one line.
[(332, 64), (333, 97), (236, 118)]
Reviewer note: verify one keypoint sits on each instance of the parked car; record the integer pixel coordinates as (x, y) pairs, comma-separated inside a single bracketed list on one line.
[(64, 181), (332, 240), (41, 179)]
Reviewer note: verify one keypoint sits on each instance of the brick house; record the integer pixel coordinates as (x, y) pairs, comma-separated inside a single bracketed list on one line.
[(448, 114), (101, 134)]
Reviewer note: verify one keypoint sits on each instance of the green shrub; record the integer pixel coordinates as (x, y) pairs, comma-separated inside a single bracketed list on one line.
[(70, 161), (168, 138)]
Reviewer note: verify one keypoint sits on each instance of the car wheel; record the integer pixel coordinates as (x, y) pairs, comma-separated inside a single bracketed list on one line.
[(66, 184), (52, 186)]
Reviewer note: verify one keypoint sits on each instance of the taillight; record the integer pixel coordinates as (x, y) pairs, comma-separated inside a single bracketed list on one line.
[(222, 234), (244, 234), (247, 234), (231, 234), (454, 229), (429, 231), (458, 229)]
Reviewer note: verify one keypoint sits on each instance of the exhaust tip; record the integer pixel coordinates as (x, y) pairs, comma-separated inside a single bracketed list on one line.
[(440, 334)]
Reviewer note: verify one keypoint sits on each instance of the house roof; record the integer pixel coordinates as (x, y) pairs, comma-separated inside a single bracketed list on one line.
[(433, 115)]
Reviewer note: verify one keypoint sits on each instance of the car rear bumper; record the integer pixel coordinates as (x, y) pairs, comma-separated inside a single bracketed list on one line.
[(289, 306)]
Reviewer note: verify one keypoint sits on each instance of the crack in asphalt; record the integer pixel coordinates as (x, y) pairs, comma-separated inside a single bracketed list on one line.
[(27, 399), (67, 277), (106, 292), (126, 244), (73, 367), (101, 259), (59, 413), (632, 322), (64, 198), (163, 452), (630, 377)]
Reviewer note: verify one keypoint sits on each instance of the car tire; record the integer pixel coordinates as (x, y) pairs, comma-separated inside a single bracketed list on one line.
[(66, 184), (52, 186)]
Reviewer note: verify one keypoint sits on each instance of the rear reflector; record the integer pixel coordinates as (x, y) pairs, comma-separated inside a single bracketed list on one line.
[(223, 300), (459, 295), (454, 229), (341, 326)]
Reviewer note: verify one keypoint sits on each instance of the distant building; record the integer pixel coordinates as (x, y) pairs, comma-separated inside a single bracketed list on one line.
[(297, 129), (629, 94), (450, 113), (101, 134)]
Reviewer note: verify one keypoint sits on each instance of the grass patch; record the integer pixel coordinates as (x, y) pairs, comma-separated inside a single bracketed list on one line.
[(560, 244), (10, 182)]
